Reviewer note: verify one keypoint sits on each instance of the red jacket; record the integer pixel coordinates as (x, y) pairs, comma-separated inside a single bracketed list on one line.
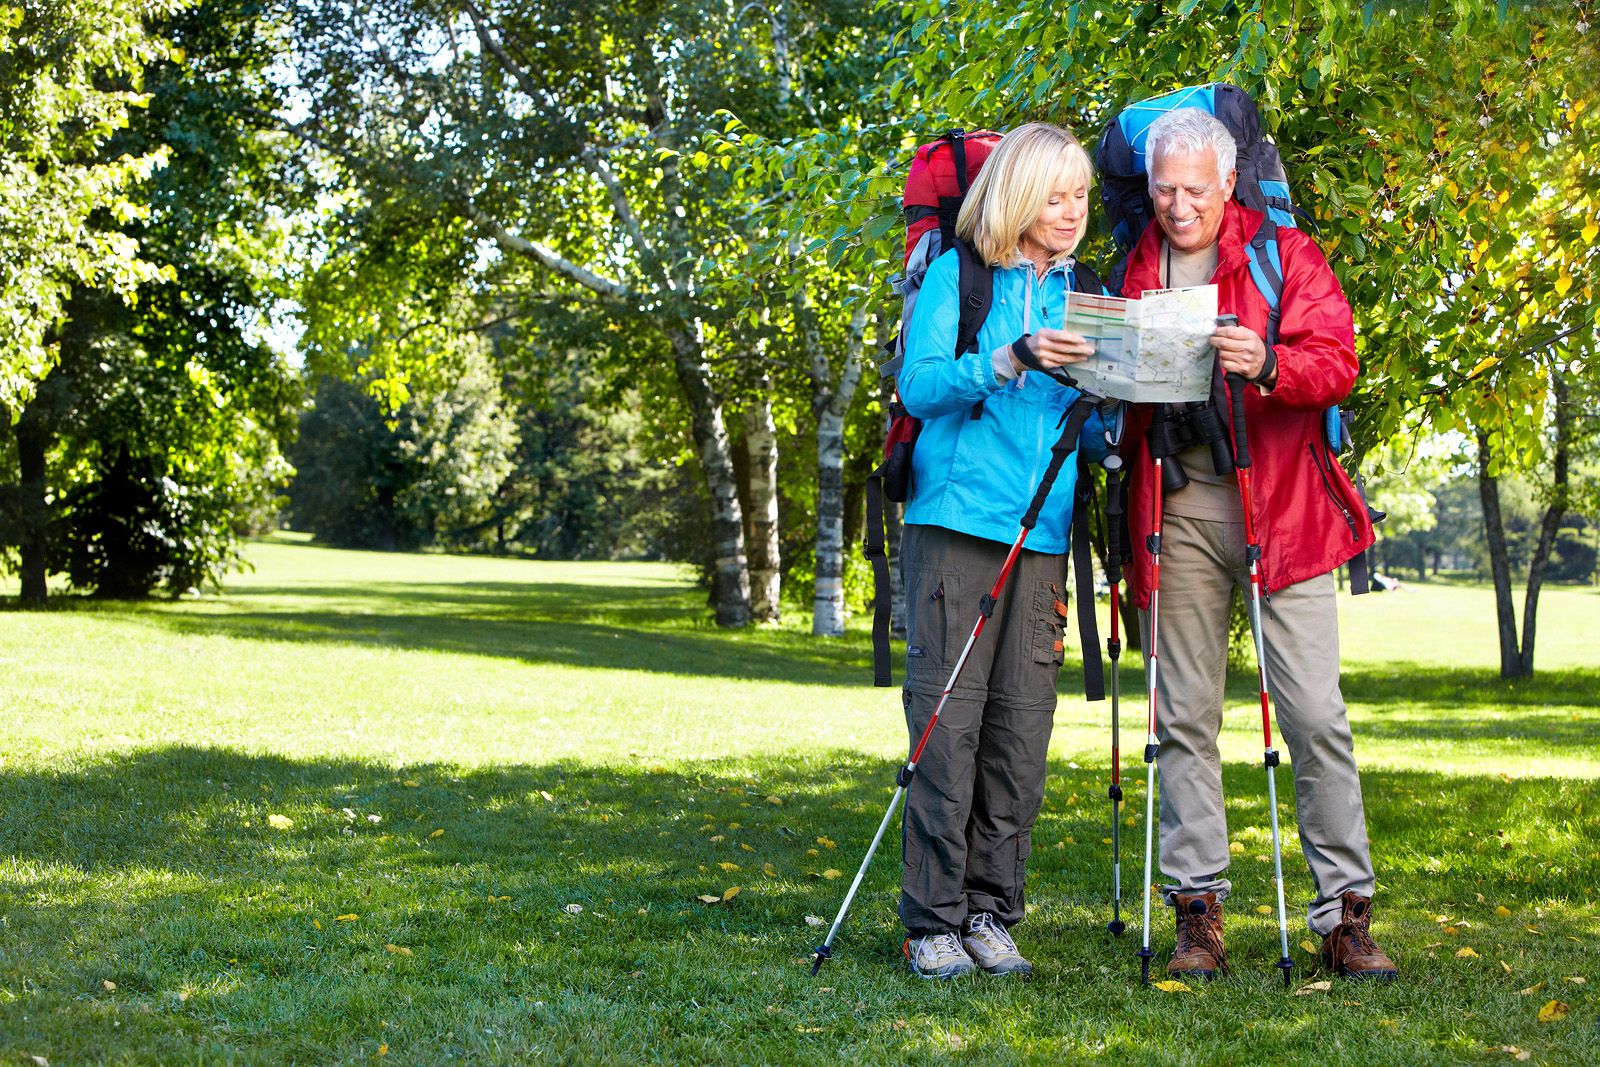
[(1308, 516)]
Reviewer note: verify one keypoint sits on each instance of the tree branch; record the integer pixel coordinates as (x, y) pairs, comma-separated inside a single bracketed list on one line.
[(521, 246), (492, 43), (619, 199)]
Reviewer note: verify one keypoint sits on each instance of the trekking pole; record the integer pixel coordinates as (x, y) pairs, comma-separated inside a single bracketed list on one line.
[(1150, 742), (1073, 420), (1113, 465), (1241, 448)]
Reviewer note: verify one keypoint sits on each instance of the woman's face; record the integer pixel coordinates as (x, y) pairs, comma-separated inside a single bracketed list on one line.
[(1059, 226)]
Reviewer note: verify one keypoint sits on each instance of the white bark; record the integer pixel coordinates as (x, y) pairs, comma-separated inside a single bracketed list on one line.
[(761, 443), (830, 403)]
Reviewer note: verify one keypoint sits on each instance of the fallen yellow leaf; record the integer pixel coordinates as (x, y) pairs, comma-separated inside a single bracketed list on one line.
[(730, 892), (436, 833), (826, 842), (1530, 990), (383, 1050), (398, 950), (709, 898), (280, 822), (1170, 985), (725, 865), (816, 920), (1505, 966), (1578, 980), (1262, 909), (1236, 848), (775, 800), (718, 837), (348, 917), (1466, 952), (108, 985), (410, 783), (1554, 1011), (1501, 910), (831, 873), (736, 826), (769, 870), (1309, 946), (747, 848), (1314, 987), (549, 798), (316, 924)]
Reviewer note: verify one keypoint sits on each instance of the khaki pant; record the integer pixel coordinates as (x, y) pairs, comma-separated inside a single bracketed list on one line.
[(970, 810), (1201, 563)]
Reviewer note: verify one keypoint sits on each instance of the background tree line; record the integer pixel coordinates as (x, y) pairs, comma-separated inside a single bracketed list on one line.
[(609, 281)]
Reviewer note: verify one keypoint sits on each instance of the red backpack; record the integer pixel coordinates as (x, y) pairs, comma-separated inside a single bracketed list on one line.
[(941, 173)]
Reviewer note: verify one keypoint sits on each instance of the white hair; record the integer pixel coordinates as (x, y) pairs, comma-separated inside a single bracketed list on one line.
[(1189, 129)]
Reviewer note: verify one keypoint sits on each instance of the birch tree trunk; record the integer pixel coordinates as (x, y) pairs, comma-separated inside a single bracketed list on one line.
[(761, 446), (830, 402), (730, 590)]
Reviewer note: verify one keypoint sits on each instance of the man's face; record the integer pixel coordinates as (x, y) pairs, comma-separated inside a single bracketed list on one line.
[(1189, 198)]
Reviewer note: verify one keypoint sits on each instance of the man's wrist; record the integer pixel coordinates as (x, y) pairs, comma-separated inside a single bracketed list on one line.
[(1267, 377)]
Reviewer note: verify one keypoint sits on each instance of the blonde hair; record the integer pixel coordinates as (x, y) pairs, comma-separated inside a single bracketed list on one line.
[(1011, 190)]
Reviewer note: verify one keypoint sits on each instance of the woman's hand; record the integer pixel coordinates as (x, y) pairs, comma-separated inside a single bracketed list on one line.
[(1055, 348)]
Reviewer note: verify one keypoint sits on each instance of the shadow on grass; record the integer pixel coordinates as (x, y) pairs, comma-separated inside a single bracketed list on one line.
[(511, 912), (573, 624)]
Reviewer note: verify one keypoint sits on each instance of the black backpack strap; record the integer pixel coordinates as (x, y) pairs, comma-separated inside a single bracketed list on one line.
[(1094, 682), (875, 550), (1085, 280), (975, 294)]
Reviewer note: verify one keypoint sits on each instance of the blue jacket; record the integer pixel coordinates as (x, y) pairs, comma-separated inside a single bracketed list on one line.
[(978, 476)]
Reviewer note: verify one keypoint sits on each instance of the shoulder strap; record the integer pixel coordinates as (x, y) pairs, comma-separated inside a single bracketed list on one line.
[(975, 292), (1266, 269), (1085, 280)]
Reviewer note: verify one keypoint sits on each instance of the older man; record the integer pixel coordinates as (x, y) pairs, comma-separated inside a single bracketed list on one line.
[(1308, 518)]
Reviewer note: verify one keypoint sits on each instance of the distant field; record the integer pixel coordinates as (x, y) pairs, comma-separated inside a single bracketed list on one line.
[(585, 739)]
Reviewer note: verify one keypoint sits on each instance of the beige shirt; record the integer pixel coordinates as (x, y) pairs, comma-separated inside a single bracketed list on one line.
[(1208, 495)]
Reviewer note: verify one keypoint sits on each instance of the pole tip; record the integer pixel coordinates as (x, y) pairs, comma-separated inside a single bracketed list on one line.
[(1116, 926), (824, 954), (1145, 955), (1286, 965)]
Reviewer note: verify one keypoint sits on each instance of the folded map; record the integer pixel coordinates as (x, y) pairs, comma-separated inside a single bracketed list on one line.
[(1154, 350)]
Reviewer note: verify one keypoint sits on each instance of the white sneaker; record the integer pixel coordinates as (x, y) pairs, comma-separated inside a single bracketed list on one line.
[(991, 947), (938, 956)]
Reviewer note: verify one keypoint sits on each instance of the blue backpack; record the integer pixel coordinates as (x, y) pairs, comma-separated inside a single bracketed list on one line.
[(1261, 185)]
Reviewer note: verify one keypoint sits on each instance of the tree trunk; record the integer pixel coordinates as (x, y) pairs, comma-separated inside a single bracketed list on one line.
[(730, 590), (830, 402), (1499, 563), (33, 444), (761, 448), (1551, 523)]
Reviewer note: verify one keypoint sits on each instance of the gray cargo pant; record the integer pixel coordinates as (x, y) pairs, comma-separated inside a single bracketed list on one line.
[(970, 810), (1201, 563)]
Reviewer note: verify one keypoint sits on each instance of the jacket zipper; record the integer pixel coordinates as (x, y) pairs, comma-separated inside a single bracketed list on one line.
[(1327, 487)]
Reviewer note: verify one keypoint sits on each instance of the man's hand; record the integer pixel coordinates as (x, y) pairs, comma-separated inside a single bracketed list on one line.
[(1240, 351), (1055, 348)]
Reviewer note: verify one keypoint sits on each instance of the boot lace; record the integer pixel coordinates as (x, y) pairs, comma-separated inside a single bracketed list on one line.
[(1198, 931)]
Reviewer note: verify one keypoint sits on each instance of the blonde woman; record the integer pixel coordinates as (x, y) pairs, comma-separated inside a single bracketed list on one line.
[(989, 419)]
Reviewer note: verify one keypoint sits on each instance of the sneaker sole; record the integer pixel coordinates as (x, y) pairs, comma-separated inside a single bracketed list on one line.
[(1018, 968), (938, 976)]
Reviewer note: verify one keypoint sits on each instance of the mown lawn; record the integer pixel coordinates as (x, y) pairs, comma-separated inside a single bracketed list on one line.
[(431, 809)]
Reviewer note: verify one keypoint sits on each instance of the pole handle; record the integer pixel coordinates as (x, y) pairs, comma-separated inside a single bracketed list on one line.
[(1236, 386)]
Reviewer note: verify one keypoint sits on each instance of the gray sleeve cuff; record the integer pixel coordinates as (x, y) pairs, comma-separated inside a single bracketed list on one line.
[(1003, 370)]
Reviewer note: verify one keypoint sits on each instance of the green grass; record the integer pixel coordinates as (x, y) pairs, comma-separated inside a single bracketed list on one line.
[(583, 737)]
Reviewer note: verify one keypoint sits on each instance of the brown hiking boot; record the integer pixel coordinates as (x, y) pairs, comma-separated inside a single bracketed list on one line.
[(1349, 950), (1199, 952)]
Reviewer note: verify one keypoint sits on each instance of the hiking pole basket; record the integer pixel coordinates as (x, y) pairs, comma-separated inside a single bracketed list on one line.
[(1072, 422)]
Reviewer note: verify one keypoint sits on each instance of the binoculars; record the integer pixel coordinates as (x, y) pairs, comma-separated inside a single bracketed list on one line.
[(1178, 427)]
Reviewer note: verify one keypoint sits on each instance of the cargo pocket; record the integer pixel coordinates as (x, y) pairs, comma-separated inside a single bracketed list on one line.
[(928, 632), (1049, 616)]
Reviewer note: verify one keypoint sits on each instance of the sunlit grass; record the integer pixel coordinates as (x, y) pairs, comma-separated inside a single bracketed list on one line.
[(585, 739)]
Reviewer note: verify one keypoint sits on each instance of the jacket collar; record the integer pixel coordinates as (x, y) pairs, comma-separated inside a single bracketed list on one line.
[(1239, 225)]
